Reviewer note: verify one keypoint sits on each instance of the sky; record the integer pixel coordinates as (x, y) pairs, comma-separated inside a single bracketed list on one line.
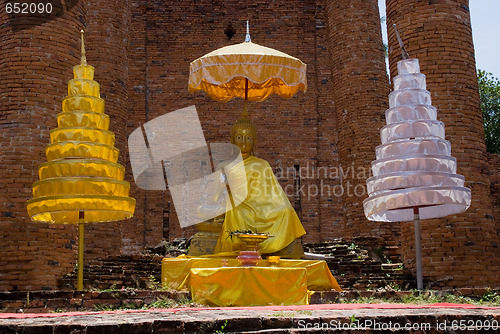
[(485, 33)]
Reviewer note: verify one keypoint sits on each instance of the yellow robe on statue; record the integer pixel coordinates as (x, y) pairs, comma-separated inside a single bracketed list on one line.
[(266, 209)]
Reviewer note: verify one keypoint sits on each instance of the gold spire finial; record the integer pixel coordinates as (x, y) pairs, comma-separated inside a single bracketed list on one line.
[(247, 37), (84, 58)]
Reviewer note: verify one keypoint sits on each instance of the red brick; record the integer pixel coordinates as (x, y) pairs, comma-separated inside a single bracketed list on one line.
[(433, 28), (141, 54)]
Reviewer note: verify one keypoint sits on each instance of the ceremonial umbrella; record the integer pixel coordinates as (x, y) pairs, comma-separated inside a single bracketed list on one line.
[(81, 181), (414, 176), (248, 71)]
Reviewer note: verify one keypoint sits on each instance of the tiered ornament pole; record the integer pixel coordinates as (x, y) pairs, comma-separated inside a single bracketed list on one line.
[(416, 215), (81, 214), (418, 249), (81, 182), (81, 250)]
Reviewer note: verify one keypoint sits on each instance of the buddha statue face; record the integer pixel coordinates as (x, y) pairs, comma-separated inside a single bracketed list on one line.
[(244, 136), (244, 140)]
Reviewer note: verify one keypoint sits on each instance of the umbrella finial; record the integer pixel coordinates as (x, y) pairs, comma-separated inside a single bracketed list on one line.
[(247, 38), (401, 45), (83, 60)]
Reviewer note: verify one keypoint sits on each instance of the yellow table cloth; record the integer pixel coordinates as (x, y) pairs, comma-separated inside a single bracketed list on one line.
[(175, 273), (249, 286)]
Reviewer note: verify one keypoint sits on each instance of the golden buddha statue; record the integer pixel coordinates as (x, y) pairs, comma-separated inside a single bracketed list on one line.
[(266, 209)]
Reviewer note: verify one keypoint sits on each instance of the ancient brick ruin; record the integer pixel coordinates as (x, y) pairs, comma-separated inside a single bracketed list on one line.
[(320, 143)]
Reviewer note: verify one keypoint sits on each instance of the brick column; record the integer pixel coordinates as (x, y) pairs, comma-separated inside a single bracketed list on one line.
[(360, 92), (108, 24), (37, 53), (459, 250), (494, 165)]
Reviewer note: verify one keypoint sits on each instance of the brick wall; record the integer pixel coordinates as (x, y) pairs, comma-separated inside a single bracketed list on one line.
[(494, 164), (141, 51), (147, 76), (35, 64), (296, 134), (107, 48), (360, 91), (330, 206), (463, 249)]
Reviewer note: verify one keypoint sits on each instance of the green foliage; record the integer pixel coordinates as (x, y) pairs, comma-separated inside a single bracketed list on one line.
[(153, 284), (161, 302), (489, 93), (490, 297), (291, 314), (164, 302), (284, 314), (352, 246), (59, 310), (221, 330), (425, 297), (126, 306)]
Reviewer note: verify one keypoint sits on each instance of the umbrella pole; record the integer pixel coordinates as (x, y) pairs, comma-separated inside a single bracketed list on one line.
[(418, 248), (245, 105), (81, 216)]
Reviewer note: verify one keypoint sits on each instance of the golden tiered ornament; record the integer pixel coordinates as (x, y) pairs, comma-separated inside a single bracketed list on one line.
[(81, 182)]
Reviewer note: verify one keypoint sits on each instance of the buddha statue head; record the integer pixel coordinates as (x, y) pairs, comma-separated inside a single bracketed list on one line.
[(244, 135)]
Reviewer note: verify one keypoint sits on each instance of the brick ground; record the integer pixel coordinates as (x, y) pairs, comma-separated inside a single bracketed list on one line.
[(282, 319)]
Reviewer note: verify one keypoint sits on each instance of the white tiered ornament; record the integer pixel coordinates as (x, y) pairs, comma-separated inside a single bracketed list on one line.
[(414, 176), (414, 166)]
